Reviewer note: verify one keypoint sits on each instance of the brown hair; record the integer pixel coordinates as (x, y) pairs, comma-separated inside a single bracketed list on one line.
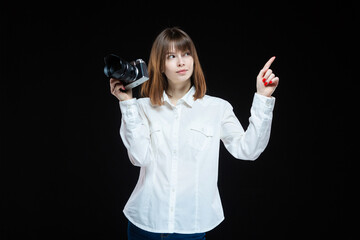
[(157, 83)]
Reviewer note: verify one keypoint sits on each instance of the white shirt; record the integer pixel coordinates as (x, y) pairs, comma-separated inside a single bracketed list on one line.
[(177, 148)]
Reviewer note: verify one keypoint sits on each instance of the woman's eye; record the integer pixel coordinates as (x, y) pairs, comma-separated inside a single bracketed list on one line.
[(187, 54), (171, 56)]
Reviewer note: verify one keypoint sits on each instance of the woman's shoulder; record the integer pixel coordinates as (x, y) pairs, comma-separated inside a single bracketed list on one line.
[(143, 100), (145, 103), (213, 100)]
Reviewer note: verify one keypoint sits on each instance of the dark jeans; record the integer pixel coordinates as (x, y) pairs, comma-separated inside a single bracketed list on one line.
[(135, 233)]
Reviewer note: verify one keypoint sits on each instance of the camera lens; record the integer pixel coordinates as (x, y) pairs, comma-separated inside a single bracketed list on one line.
[(119, 68), (127, 72)]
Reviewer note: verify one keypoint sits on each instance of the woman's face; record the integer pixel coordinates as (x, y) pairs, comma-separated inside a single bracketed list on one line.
[(179, 66)]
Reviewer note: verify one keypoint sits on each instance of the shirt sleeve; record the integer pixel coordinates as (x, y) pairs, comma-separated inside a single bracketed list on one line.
[(249, 144), (134, 132)]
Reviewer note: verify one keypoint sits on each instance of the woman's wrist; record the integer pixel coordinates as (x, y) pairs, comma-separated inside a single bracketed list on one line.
[(264, 94)]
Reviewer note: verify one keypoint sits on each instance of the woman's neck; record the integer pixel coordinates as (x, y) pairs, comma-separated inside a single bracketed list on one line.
[(175, 92)]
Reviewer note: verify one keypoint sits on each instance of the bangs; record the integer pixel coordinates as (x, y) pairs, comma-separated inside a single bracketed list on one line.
[(181, 45), (177, 41)]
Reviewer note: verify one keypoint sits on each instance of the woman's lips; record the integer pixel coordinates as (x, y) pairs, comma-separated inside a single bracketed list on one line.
[(183, 71)]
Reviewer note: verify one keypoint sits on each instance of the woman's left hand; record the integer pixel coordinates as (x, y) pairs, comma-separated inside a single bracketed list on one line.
[(266, 81)]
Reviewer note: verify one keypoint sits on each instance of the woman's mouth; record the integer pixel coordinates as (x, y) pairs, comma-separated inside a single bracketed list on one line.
[(182, 71)]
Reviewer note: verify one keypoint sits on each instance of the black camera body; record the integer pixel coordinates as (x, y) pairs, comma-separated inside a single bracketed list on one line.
[(130, 74)]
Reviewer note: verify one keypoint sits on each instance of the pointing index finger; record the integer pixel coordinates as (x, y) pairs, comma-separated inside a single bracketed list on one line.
[(268, 64)]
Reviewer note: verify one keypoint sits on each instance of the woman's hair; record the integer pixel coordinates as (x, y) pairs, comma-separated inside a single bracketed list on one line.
[(157, 83)]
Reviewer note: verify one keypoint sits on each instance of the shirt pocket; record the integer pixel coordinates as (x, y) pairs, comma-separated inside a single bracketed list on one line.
[(200, 136), (155, 131)]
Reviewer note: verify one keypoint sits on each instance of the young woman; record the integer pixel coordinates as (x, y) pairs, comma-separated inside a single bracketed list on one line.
[(173, 134)]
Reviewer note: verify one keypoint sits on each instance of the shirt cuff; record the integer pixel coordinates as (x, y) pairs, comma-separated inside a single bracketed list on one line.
[(129, 110), (263, 102)]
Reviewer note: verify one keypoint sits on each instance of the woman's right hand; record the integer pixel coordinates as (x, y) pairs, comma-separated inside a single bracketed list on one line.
[(118, 90)]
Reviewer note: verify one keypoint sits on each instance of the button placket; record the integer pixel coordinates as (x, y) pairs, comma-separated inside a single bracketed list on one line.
[(174, 166)]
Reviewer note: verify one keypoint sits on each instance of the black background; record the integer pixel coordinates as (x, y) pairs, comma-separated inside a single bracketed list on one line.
[(64, 170)]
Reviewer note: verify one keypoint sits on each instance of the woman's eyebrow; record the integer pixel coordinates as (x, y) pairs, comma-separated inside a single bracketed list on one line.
[(172, 52)]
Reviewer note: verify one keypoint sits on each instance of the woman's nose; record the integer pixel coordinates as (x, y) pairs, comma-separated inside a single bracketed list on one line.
[(180, 62)]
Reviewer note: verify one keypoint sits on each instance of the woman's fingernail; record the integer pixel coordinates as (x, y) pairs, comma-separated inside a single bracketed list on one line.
[(264, 79), (270, 82), (265, 83)]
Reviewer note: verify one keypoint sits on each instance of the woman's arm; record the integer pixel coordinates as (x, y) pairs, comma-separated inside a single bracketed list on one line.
[(135, 133), (249, 144), (134, 130)]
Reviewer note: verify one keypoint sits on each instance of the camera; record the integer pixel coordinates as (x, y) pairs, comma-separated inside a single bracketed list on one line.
[(130, 74)]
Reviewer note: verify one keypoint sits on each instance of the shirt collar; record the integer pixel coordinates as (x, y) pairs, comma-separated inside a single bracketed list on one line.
[(188, 98)]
